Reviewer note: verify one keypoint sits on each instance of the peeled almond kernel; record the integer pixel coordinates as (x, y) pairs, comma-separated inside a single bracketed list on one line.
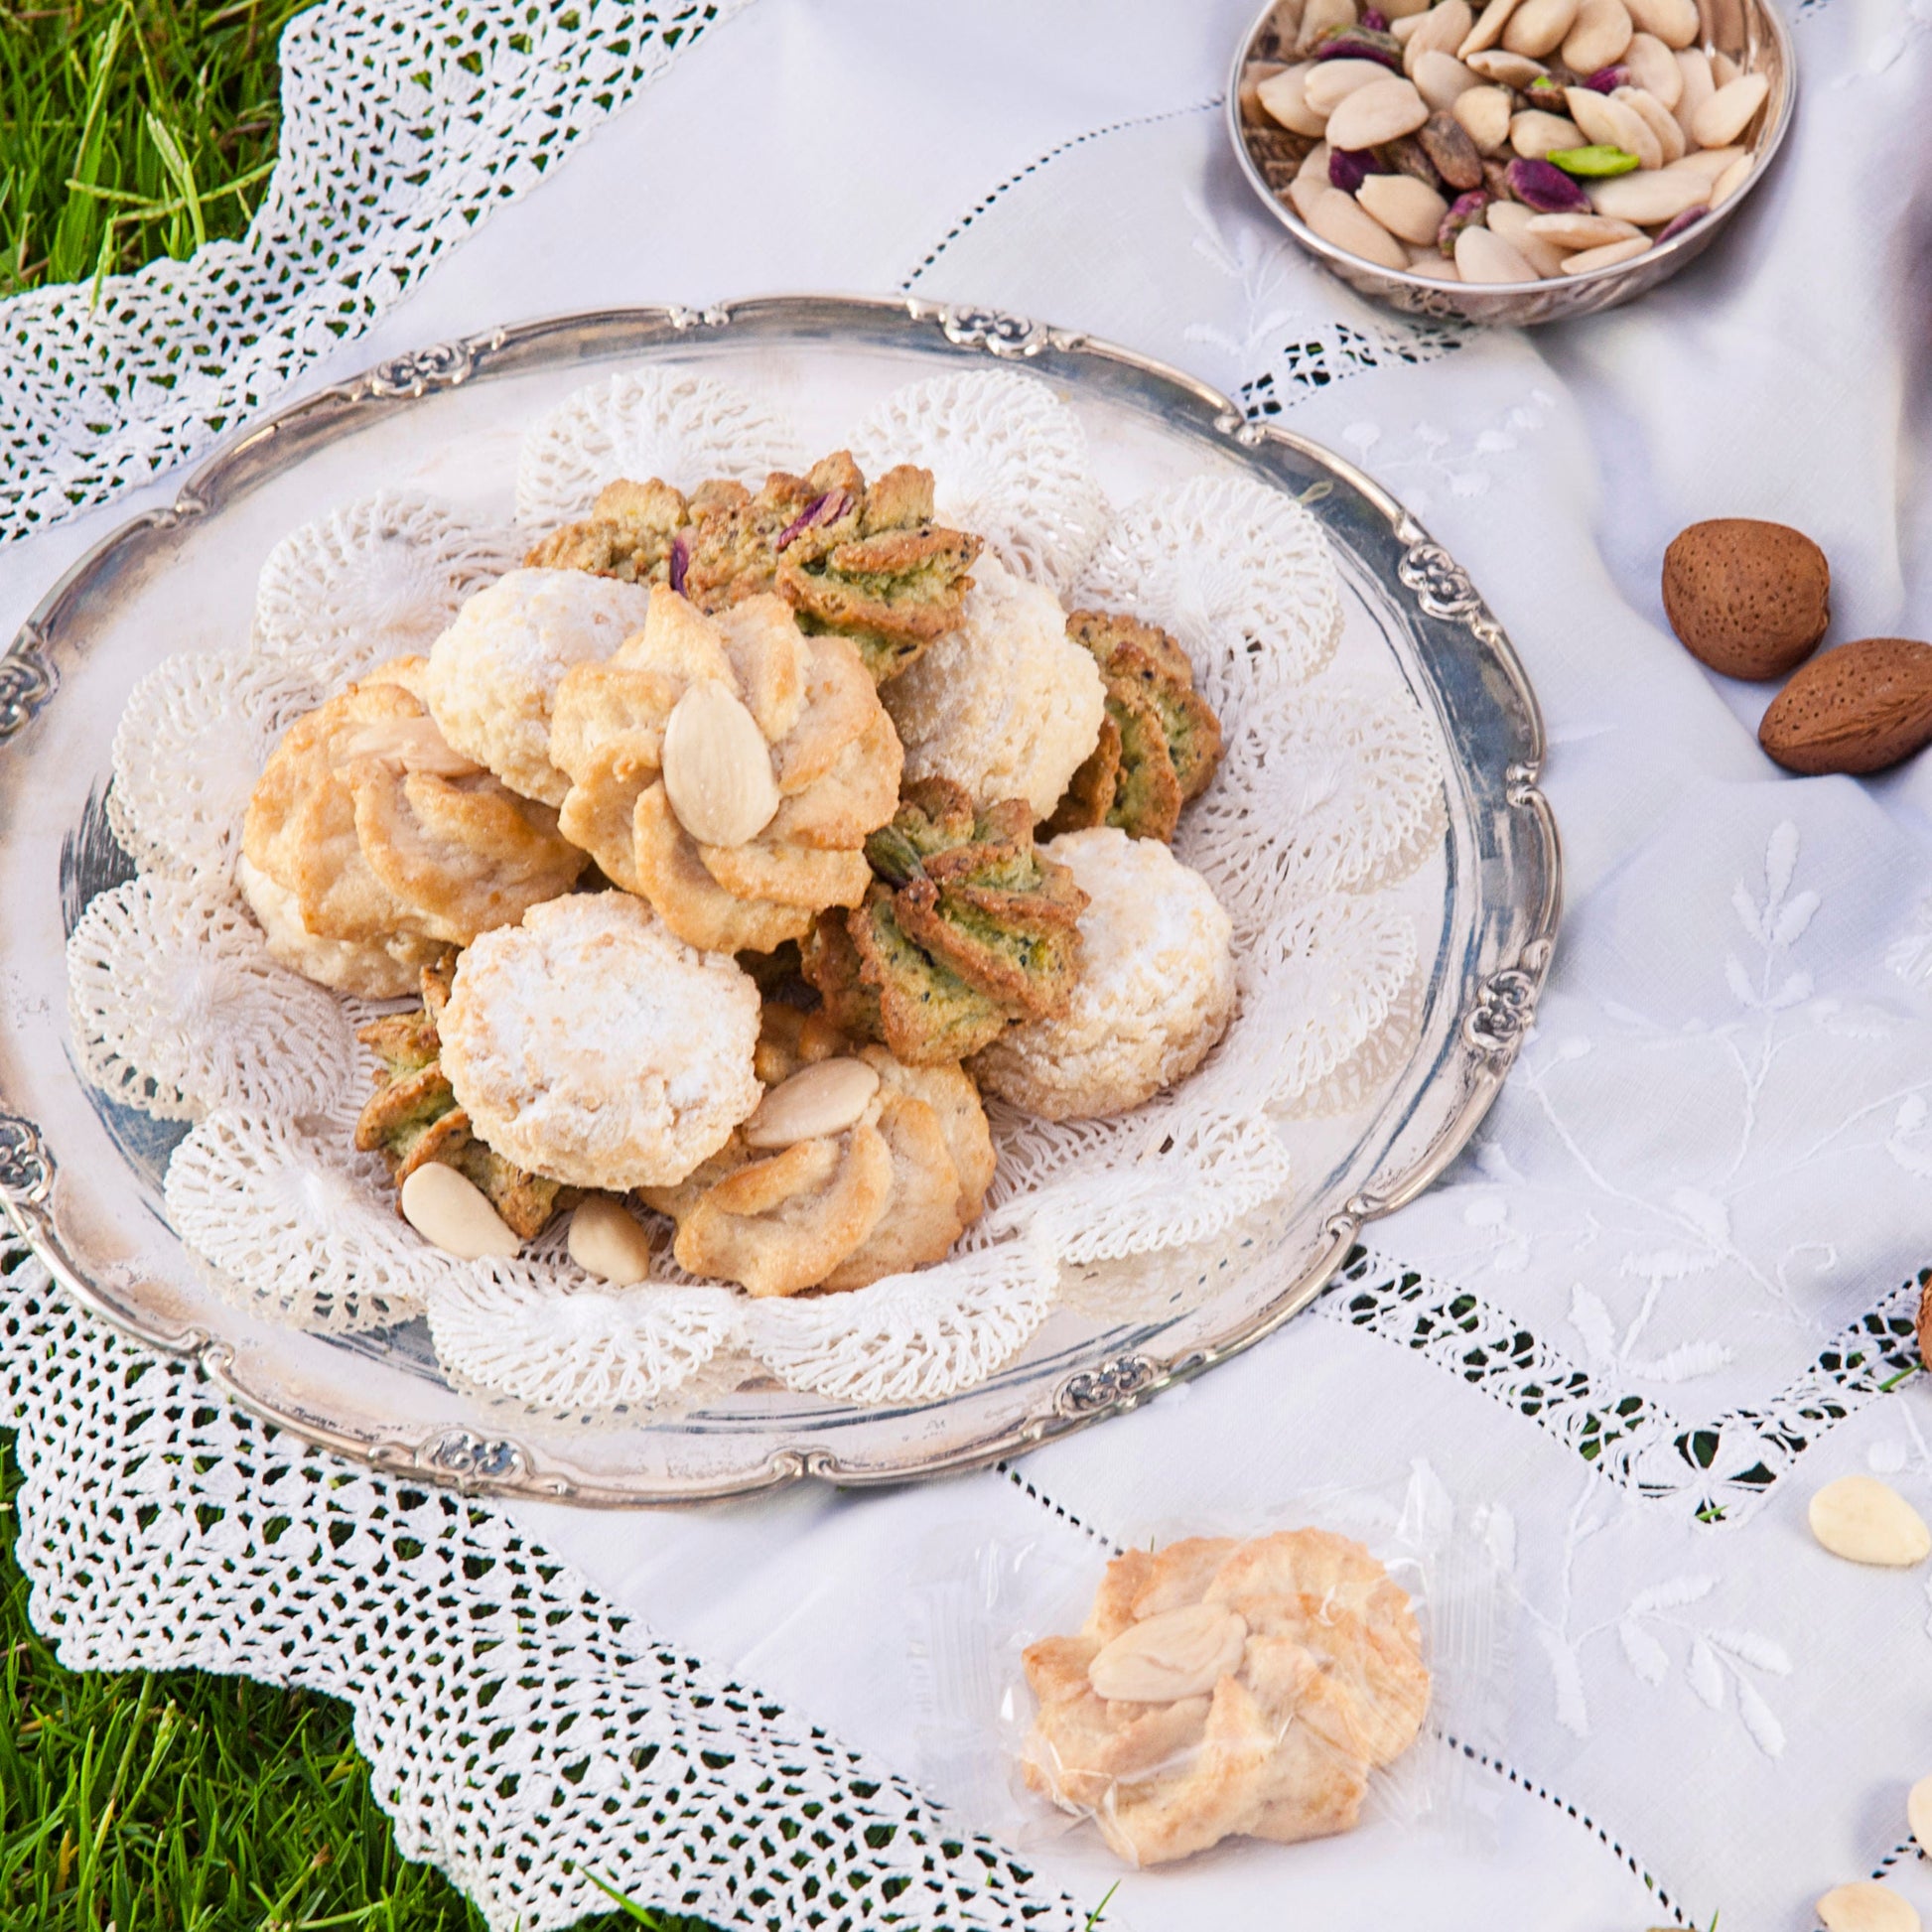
[(1608, 121), (607, 1241), (1507, 70), (1727, 115), (1319, 15), (1582, 230), (1650, 196), (1409, 208), (1724, 69), (1731, 181), (1178, 1654), (1330, 83), (1538, 27), (1602, 33), (1918, 1814), (1284, 96), (1444, 28), (1338, 219), (1658, 118), (1488, 29), (1442, 79), (717, 767), (1482, 256), (1865, 1907), (1607, 256), (1511, 220), (1674, 22), (453, 1214), (1384, 111), (1484, 115), (1707, 164), (1536, 135), (1865, 1520), (1303, 191), (819, 1101), (1694, 68), (1653, 68)]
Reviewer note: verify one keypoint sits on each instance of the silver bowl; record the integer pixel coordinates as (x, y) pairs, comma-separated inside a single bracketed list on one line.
[(1751, 32)]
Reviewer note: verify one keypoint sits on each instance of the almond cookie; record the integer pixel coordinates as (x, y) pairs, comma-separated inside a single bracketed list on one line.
[(1007, 706), (727, 769), (494, 673), (1221, 1689), (371, 844), (852, 1168), (1155, 989), (593, 1046)]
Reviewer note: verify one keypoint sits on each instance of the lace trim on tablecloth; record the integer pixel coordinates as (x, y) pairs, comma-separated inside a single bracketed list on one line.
[(1299, 847), (1715, 1470), (523, 1733), (403, 126)]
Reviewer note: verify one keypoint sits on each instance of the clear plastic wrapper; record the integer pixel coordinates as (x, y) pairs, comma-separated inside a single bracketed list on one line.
[(1278, 1674)]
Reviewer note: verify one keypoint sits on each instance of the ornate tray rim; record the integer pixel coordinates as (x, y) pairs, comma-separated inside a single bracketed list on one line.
[(1489, 1031)]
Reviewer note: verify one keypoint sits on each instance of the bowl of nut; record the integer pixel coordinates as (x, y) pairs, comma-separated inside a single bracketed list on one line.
[(1524, 162)]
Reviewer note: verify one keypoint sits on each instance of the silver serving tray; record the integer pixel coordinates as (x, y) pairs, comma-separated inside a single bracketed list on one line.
[(79, 1178)]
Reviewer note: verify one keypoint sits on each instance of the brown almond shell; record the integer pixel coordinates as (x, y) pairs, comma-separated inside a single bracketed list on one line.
[(1749, 598), (1858, 708)]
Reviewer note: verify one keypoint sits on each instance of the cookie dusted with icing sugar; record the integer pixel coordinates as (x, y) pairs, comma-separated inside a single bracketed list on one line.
[(592, 1046), (1155, 991), (494, 673), (1007, 706)]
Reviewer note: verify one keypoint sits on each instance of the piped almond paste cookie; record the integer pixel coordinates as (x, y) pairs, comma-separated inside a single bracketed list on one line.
[(1155, 990), (591, 1045), (1221, 1689), (1007, 706), (852, 1168), (727, 769), (371, 843), (494, 673)]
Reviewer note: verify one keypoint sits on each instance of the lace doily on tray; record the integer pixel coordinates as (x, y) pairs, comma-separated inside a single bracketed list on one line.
[(1009, 463), (1328, 795), (640, 424), (402, 128), (523, 1733), (373, 580)]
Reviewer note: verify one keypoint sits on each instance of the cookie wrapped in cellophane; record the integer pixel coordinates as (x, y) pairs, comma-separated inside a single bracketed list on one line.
[(866, 562), (965, 930)]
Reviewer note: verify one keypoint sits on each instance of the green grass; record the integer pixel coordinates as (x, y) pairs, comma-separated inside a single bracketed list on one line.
[(130, 130), (183, 1803)]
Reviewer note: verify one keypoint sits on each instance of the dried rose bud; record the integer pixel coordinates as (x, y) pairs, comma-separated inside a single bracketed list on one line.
[(1465, 212), (1546, 188), (1688, 220)]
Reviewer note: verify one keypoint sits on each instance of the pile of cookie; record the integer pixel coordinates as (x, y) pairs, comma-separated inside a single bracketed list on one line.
[(734, 844)]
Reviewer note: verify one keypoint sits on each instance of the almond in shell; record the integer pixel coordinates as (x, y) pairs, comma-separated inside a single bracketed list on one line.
[(1860, 708), (1749, 598)]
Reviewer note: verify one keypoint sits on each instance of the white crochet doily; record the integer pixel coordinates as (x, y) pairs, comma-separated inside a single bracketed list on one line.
[(1328, 796)]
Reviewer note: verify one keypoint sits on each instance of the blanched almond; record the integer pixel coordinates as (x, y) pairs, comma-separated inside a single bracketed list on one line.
[(1444, 28), (1536, 135), (1442, 79), (1485, 114), (1304, 190), (1706, 164), (1488, 29), (815, 1103), (1338, 219), (1602, 33), (606, 1240), (1319, 15), (718, 767), (1284, 96), (1512, 220), (1507, 70), (1694, 68), (1653, 195), (1538, 27), (1607, 256), (1724, 69), (1330, 83), (1384, 111), (1867, 1907), (1731, 181), (1180, 1653), (1483, 256), (1865, 1520), (1609, 122), (1727, 115), (1409, 208), (452, 1214), (1582, 230), (1658, 118), (1653, 68), (1674, 22)]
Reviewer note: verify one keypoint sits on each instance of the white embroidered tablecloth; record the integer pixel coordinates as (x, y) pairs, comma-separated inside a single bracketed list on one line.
[(1647, 1314)]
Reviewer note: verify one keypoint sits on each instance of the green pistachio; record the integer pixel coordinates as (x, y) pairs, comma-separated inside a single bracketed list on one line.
[(1595, 161)]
